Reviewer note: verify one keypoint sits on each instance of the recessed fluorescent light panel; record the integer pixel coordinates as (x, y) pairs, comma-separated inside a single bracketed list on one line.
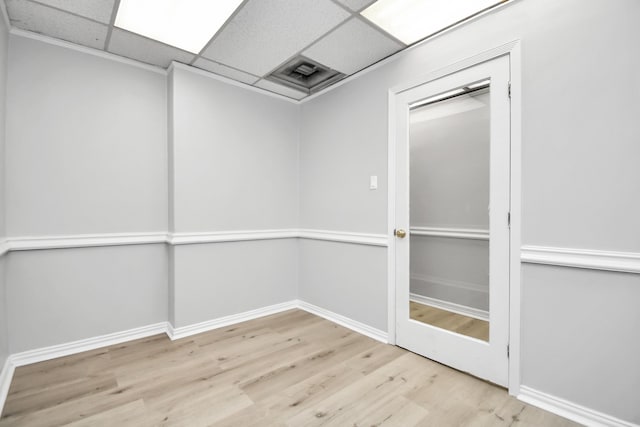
[(413, 20), (185, 24)]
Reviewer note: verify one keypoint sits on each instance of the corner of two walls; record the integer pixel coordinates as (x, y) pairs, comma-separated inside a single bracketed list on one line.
[(234, 162), (104, 148), (4, 52)]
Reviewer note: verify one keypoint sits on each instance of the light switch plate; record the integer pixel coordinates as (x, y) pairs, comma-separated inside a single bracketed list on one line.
[(373, 182)]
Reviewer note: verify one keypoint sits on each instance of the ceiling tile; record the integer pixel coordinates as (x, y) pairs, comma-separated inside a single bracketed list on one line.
[(146, 50), (98, 10), (282, 90), (54, 23), (223, 70), (352, 47), (265, 33), (356, 5)]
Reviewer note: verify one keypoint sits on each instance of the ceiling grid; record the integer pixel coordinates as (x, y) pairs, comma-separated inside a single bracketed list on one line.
[(258, 38)]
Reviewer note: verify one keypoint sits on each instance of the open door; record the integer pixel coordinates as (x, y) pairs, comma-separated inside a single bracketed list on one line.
[(452, 219)]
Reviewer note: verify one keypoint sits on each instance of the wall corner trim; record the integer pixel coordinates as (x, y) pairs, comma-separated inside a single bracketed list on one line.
[(626, 262), (570, 410)]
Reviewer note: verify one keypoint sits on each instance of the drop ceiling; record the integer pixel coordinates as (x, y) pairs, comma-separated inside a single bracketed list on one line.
[(261, 37)]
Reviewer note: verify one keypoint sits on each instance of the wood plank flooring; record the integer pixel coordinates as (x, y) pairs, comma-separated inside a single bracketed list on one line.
[(289, 369), (450, 321)]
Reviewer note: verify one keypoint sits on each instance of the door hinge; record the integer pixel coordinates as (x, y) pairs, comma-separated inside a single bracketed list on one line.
[(509, 219), (509, 89)]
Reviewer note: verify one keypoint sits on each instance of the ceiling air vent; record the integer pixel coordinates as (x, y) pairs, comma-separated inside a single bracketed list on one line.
[(304, 74)]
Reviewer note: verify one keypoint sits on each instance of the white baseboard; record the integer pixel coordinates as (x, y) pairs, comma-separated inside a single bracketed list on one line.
[(5, 381), (570, 410), (450, 306), (354, 325), (185, 331), (74, 347)]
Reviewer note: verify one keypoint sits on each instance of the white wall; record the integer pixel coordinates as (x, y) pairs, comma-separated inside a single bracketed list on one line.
[(234, 163), (86, 144), (579, 168), (4, 48), (63, 295), (86, 153)]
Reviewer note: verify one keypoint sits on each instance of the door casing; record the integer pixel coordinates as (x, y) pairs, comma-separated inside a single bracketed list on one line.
[(512, 49)]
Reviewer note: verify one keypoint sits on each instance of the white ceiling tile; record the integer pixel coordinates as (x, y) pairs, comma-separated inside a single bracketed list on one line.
[(54, 23), (356, 5), (142, 49), (282, 90), (352, 47), (98, 10), (223, 70), (265, 33)]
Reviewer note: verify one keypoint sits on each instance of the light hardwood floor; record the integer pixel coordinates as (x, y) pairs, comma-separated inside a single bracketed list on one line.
[(453, 322), (289, 369)]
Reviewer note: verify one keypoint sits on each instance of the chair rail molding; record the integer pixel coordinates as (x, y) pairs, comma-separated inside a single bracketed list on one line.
[(345, 237), (230, 236), (29, 243), (626, 262), (83, 241)]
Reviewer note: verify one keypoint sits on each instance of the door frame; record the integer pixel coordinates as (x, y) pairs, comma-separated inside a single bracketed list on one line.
[(512, 50)]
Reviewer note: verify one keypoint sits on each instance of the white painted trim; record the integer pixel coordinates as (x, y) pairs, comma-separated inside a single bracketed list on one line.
[(456, 233), (487, 55), (124, 239), (95, 52), (84, 241), (627, 262), (345, 237), (197, 328), (391, 216), (74, 347), (570, 410), (450, 306), (229, 81), (341, 320), (5, 380), (231, 236), (515, 238)]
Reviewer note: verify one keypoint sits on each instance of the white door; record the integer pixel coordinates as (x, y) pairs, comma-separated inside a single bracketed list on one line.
[(452, 219)]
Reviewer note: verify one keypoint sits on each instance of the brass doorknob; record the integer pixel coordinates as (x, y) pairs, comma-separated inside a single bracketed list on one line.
[(400, 233)]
